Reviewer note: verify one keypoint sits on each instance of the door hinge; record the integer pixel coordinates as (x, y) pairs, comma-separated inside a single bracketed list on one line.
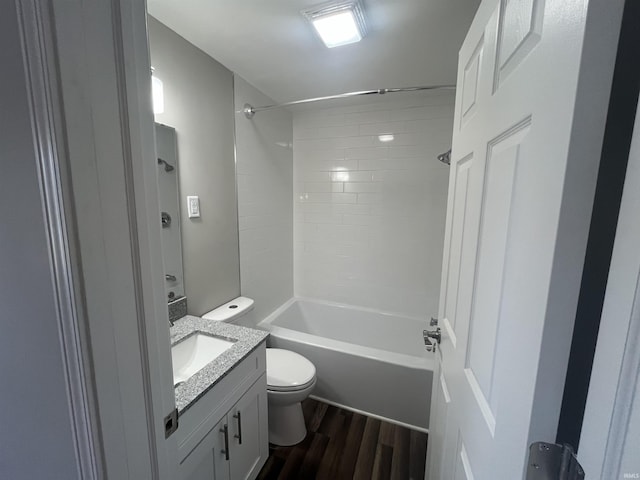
[(170, 423), (553, 462)]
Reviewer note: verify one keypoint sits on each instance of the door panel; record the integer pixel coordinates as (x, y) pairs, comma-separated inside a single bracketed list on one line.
[(208, 460), (461, 190), (497, 203), (248, 420), (201, 471), (463, 469), (470, 78), (505, 243), (438, 432), (520, 31)]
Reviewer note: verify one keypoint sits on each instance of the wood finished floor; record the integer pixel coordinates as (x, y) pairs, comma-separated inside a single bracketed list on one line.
[(344, 445)]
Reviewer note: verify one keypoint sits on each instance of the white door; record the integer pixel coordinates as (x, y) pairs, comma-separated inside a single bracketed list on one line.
[(530, 111)]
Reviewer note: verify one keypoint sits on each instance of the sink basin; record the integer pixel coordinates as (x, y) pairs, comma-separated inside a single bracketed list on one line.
[(194, 353)]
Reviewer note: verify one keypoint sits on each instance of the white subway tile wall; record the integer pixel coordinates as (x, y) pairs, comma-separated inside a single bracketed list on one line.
[(370, 202), (264, 164)]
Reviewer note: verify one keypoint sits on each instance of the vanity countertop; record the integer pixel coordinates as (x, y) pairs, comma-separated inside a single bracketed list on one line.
[(246, 341)]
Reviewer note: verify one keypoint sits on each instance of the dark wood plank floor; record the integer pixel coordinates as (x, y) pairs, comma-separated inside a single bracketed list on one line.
[(344, 445)]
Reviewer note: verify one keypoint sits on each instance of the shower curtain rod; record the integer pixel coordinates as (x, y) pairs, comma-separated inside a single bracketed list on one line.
[(250, 110)]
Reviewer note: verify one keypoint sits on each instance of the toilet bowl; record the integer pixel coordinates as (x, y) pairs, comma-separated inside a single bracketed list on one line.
[(290, 379)]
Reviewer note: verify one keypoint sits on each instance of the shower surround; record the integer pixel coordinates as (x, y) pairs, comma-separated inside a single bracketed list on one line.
[(370, 202)]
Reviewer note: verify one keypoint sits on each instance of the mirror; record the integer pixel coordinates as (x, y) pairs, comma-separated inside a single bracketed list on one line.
[(169, 202), (196, 132)]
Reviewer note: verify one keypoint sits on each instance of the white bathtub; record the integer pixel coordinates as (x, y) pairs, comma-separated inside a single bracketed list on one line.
[(366, 361)]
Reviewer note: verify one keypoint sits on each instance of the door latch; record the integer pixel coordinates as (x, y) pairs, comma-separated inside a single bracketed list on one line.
[(553, 462), (435, 334), (427, 335), (428, 344), (170, 423)]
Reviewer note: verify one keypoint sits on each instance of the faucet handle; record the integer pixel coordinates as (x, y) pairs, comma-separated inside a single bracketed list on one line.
[(433, 322)]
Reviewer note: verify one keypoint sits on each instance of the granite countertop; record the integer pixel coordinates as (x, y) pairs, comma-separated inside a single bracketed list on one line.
[(246, 341)]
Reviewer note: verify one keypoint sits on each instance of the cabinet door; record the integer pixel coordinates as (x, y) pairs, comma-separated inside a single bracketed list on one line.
[(208, 461), (248, 422)]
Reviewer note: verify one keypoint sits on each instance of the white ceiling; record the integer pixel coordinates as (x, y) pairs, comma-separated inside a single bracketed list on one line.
[(268, 42)]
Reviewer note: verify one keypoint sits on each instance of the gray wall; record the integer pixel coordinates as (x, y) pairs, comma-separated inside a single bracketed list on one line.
[(265, 202), (198, 97), (36, 437)]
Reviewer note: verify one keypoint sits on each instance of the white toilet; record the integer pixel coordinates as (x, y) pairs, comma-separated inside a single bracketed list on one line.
[(290, 379)]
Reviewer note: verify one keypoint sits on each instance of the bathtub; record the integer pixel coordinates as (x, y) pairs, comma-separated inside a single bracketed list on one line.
[(366, 361)]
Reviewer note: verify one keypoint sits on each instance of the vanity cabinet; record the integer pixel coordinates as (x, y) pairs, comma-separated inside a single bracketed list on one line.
[(246, 440), (232, 442)]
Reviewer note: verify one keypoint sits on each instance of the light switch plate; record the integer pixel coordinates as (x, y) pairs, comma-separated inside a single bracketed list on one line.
[(193, 206)]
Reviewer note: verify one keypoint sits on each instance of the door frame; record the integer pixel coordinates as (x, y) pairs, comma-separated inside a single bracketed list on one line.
[(611, 179), (47, 120), (616, 367), (90, 88)]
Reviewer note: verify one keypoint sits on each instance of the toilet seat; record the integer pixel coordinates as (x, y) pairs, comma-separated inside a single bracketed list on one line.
[(297, 388), (288, 371)]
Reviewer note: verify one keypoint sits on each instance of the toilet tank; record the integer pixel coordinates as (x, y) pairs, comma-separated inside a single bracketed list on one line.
[(232, 311)]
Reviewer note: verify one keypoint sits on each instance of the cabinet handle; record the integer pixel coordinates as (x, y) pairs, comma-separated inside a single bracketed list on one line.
[(225, 430), (239, 435)]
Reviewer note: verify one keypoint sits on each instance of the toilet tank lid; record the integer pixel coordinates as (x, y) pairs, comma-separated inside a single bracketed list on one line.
[(230, 310)]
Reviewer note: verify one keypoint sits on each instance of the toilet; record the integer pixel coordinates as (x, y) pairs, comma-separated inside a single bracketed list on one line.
[(290, 379)]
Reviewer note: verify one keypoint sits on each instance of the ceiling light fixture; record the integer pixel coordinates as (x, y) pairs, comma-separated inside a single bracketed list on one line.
[(338, 23)]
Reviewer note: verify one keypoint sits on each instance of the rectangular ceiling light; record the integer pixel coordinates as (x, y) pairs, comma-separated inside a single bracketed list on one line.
[(338, 23)]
